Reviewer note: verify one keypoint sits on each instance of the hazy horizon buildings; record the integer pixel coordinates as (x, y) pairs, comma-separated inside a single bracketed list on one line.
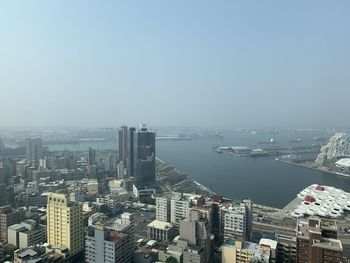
[(33, 150), (123, 144)]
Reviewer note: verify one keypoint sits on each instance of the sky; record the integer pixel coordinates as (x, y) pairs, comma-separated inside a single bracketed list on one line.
[(226, 64)]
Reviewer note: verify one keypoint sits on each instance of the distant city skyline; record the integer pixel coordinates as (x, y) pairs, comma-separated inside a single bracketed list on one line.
[(227, 64)]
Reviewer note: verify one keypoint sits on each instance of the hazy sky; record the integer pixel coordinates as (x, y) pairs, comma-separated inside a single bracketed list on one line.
[(194, 63)]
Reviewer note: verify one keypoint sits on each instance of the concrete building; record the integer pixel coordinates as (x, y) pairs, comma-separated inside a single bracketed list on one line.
[(163, 207), (40, 253), (2, 253), (236, 221), (27, 233), (65, 223), (195, 230), (8, 217), (33, 151), (179, 208), (272, 244), (317, 241), (110, 242), (123, 144), (243, 251), (159, 230)]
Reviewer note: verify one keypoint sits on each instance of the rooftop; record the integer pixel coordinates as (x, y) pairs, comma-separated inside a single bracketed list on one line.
[(160, 225)]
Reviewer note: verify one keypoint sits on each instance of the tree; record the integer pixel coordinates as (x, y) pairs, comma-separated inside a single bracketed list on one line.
[(171, 260)]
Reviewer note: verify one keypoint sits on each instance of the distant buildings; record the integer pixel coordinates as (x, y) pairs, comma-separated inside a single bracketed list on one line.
[(317, 241), (137, 152), (123, 144), (65, 223), (91, 156), (33, 151)]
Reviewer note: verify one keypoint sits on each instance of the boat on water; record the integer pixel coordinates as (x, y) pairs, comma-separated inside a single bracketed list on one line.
[(258, 153), (319, 139), (296, 140), (271, 141)]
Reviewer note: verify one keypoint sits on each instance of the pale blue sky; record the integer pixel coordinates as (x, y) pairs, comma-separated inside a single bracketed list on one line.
[(194, 63)]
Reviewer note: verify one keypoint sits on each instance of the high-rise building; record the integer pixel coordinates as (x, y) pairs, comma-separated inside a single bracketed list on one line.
[(236, 221), (132, 152), (142, 152), (110, 242), (91, 156), (8, 217), (179, 208), (195, 230), (123, 144), (146, 153), (65, 223), (317, 241), (163, 206), (33, 151)]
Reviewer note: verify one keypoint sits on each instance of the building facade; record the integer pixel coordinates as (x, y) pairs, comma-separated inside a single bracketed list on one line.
[(65, 223)]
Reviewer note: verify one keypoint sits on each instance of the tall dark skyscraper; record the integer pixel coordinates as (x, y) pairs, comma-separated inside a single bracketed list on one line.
[(123, 144), (146, 153), (142, 153), (92, 156), (132, 143)]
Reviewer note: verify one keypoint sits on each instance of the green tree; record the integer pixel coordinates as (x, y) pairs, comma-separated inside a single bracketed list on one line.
[(171, 260)]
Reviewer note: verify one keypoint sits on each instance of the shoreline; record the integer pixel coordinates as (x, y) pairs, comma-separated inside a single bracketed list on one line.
[(173, 179), (305, 165)]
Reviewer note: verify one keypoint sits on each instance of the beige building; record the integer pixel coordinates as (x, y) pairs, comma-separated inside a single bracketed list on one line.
[(159, 230), (243, 252), (65, 223)]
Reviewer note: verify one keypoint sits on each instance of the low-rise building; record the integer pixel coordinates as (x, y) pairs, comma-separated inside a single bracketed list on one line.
[(25, 234), (243, 251), (159, 230)]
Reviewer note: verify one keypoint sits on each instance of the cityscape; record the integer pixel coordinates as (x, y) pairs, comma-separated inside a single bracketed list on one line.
[(174, 131)]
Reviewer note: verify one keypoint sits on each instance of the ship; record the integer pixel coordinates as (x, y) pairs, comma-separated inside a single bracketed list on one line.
[(258, 153), (319, 139), (295, 140), (271, 141)]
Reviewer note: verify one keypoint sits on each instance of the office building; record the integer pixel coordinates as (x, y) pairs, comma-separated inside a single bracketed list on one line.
[(132, 152), (91, 156), (123, 140), (27, 233), (8, 217), (317, 241), (33, 151), (234, 251), (110, 242), (179, 208), (65, 223), (236, 220), (141, 162), (163, 207)]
